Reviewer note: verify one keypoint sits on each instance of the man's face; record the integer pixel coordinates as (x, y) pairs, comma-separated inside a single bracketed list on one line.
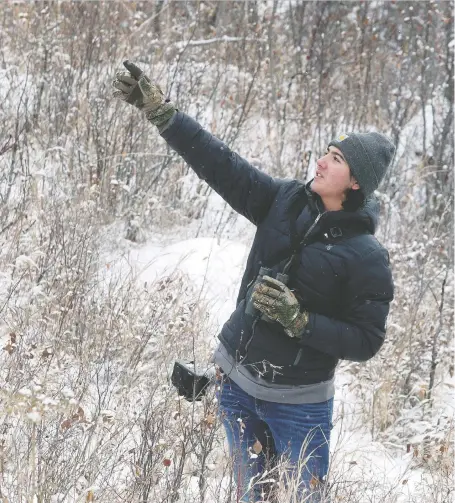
[(333, 177)]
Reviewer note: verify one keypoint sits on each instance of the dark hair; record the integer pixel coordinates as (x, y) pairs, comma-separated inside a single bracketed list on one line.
[(354, 200)]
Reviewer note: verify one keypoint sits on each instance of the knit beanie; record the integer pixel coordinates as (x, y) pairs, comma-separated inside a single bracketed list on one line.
[(368, 156)]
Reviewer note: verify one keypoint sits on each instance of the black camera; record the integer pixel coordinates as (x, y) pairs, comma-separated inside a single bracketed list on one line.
[(249, 306), (190, 384)]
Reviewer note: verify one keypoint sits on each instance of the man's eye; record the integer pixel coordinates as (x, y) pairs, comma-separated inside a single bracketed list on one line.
[(337, 159)]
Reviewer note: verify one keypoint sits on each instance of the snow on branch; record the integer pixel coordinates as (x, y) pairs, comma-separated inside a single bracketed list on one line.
[(208, 41)]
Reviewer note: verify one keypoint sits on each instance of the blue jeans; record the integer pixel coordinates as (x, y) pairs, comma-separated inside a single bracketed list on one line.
[(298, 433)]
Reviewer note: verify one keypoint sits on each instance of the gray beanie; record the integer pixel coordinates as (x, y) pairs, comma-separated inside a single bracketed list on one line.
[(368, 156)]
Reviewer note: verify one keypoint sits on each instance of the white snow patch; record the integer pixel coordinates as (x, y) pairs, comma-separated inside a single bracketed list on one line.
[(213, 266)]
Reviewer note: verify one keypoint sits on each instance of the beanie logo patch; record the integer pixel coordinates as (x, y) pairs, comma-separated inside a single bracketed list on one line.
[(342, 137)]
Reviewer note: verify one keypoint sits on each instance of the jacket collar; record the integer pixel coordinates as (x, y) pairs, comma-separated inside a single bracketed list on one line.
[(365, 218)]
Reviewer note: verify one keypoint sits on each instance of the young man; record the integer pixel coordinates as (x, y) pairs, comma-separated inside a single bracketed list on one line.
[(316, 288)]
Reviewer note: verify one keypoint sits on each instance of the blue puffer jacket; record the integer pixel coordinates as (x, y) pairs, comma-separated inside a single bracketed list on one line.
[(341, 275)]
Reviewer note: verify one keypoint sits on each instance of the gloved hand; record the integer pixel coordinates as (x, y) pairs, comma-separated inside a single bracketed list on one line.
[(275, 299), (136, 89)]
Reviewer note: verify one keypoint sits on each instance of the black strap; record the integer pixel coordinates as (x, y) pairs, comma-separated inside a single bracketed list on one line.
[(296, 207)]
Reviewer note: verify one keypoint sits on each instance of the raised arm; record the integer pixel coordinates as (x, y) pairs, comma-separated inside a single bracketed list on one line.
[(247, 190)]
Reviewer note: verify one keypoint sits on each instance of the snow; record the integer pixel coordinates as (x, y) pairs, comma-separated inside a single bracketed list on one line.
[(213, 266), (355, 454), (34, 416), (207, 41)]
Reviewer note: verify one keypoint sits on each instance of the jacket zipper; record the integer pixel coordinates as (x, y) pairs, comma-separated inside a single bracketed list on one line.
[(302, 244), (313, 225)]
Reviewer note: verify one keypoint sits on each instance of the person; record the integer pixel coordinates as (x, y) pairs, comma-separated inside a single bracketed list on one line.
[(316, 289)]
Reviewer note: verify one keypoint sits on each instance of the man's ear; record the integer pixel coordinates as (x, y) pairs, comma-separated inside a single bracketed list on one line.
[(355, 185)]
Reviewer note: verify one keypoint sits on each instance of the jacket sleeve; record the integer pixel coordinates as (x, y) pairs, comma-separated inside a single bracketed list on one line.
[(247, 190), (359, 335)]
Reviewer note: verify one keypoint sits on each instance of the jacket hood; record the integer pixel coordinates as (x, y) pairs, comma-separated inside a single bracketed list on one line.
[(366, 217)]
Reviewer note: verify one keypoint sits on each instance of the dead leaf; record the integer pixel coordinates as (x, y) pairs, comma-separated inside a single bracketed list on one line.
[(9, 348), (79, 415), (423, 392), (209, 420), (257, 447), (90, 497), (314, 482), (66, 424)]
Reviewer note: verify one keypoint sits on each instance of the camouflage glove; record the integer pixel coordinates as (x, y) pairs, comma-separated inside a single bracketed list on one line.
[(274, 299), (136, 89)]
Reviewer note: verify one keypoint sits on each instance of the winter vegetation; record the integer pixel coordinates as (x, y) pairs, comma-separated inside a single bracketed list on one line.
[(115, 260)]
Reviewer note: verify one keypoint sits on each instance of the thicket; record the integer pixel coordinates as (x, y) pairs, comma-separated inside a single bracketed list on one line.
[(275, 80)]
